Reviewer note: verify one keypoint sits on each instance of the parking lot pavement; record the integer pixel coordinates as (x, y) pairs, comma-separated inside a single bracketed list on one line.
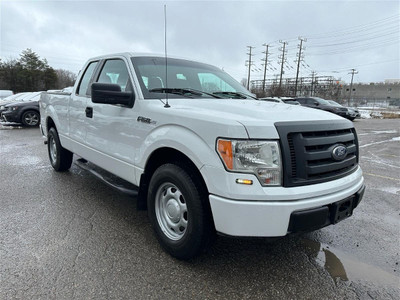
[(69, 236)]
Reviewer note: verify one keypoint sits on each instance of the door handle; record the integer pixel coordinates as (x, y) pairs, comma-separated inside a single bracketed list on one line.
[(89, 112)]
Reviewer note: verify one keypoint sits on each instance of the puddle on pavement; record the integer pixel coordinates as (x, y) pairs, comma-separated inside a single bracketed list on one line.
[(342, 266)]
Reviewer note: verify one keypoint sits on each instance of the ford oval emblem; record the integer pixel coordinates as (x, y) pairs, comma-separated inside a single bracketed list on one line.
[(339, 152)]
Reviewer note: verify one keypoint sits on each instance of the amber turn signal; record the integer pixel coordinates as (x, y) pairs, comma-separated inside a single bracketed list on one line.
[(225, 151)]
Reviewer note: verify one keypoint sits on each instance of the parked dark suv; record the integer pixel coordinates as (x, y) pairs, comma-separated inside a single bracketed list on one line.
[(323, 104), (25, 111)]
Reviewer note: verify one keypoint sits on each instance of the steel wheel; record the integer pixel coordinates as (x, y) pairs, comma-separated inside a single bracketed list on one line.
[(179, 211), (171, 211), (60, 158), (52, 149)]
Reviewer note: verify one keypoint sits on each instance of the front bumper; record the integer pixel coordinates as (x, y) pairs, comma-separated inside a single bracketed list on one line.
[(11, 116), (1, 114), (278, 218), (343, 114), (315, 218)]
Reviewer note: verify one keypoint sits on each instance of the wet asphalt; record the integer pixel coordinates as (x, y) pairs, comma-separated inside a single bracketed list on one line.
[(70, 236)]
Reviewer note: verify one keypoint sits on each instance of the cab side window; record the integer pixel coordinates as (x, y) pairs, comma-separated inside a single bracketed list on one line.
[(211, 83), (84, 84), (311, 102), (301, 100), (115, 71)]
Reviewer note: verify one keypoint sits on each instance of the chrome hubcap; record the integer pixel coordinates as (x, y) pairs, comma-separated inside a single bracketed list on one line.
[(171, 211)]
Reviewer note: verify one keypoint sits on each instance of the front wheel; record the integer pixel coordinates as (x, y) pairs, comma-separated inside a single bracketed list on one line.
[(179, 211), (60, 158), (30, 118)]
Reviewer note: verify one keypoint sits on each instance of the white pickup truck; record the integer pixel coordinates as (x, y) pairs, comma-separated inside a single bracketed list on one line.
[(205, 155)]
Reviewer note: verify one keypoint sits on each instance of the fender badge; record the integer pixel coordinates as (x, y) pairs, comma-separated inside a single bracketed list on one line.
[(145, 120)]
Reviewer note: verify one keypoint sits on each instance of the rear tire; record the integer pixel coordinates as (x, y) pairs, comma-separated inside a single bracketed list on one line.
[(60, 158), (179, 211)]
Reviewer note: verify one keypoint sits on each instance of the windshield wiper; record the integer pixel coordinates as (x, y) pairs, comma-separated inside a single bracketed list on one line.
[(182, 92), (234, 95)]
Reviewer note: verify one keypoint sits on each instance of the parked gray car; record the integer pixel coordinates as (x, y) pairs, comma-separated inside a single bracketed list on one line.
[(351, 111), (25, 111)]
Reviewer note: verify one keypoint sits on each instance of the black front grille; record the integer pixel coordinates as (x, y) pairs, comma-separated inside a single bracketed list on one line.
[(307, 151)]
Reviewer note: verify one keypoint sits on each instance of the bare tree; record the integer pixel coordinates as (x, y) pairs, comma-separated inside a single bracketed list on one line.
[(65, 78)]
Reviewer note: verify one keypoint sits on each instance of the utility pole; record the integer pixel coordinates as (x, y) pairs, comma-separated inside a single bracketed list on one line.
[(250, 64), (353, 71), (313, 73), (265, 64), (283, 61), (299, 58)]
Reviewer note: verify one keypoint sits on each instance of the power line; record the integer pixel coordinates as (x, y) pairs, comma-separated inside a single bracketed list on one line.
[(363, 65), (358, 47), (357, 41), (356, 28), (360, 34)]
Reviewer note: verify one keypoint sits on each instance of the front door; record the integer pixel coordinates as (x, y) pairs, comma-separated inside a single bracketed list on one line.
[(110, 128)]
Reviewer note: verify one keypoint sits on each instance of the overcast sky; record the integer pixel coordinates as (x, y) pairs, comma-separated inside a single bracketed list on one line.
[(341, 35)]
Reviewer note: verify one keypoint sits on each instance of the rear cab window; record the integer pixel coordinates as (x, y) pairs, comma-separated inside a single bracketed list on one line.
[(85, 80)]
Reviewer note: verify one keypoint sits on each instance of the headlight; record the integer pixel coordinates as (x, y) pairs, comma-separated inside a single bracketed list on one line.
[(12, 108), (258, 157)]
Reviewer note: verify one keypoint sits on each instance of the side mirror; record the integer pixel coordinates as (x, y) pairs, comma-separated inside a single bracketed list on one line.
[(316, 103), (109, 93)]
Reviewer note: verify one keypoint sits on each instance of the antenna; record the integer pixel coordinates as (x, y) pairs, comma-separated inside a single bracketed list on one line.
[(166, 60)]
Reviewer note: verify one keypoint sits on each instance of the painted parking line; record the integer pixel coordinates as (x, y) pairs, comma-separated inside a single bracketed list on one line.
[(380, 176), (380, 142)]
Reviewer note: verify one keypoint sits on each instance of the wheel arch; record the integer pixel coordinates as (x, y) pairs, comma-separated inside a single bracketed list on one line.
[(50, 123), (26, 110), (162, 156)]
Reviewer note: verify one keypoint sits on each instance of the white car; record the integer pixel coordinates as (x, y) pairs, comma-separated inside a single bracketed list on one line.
[(286, 100), (5, 94)]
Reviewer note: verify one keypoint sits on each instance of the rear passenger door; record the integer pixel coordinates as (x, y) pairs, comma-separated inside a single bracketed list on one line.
[(77, 106), (110, 128)]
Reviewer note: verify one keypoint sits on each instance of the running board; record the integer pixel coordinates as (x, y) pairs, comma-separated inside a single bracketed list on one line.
[(82, 163)]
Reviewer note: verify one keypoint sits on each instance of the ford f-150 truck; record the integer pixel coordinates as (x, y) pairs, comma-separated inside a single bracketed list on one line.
[(206, 156)]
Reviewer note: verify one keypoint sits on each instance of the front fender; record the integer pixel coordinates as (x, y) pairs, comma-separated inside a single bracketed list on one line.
[(181, 139)]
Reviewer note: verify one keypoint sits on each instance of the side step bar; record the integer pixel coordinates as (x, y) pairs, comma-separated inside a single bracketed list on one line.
[(82, 163)]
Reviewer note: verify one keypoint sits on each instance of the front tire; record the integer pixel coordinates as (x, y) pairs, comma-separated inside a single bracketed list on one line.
[(179, 212), (30, 118), (60, 158)]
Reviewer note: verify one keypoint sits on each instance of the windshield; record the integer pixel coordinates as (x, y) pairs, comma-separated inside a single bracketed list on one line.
[(321, 101), (186, 76), (333, 103)]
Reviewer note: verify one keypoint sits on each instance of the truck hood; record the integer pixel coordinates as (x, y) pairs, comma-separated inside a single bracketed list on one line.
[(258, 117)]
